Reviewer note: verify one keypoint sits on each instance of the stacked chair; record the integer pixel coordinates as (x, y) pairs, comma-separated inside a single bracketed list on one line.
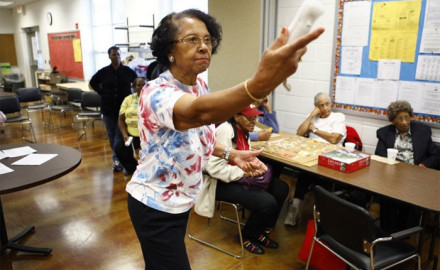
[(90, 111)]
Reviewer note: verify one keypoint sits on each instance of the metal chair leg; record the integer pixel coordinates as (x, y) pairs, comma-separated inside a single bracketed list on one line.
[(237, 221)]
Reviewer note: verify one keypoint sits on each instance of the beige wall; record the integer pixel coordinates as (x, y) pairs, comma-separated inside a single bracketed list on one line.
[(240, 49)]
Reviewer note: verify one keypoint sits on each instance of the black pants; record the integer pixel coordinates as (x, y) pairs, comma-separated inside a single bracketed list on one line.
[(125, 154), (396, 216), (161, 236), (304, 181), (265, 206)]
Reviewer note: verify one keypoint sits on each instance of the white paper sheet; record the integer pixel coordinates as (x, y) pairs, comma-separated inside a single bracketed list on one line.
[(345, 88), (428, 68), (35, 159), (388, 69), (351, 60), (356, 23), (386, 92), (4, 169), (411, 92), (364, 94), (19, 151), (2, 155), (431, 99), (431, 35)]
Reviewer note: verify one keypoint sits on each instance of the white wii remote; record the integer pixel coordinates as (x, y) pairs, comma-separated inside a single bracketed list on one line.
[(306, 16), (128, 142)]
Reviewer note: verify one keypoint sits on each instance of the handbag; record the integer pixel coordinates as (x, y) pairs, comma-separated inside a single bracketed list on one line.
[(322, 258), (257, 183)]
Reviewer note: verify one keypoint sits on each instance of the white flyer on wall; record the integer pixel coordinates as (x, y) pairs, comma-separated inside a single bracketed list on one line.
[(351, 60), (431, 99), (386, 92), (431, 29), (428, 68), (345, 87), (356, 23)]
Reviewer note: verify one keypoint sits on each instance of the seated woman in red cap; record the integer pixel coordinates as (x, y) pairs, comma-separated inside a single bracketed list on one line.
[(264, 202)]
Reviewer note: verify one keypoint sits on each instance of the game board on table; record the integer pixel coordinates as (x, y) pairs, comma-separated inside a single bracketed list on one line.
[(295, 149)]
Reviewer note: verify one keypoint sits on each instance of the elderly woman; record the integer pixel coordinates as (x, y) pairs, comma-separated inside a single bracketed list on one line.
[(128, 125), (415, 146), (223, 180), (176, 116)]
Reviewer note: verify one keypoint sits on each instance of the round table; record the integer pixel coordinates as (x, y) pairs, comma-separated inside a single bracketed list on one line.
[(27, 176)]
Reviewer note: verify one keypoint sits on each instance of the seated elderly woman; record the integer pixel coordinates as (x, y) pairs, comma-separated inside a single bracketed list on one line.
[(265, 205), (128, 125), (415, 146)]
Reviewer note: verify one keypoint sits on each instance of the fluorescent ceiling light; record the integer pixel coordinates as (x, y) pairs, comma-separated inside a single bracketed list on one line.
[(5, 4)]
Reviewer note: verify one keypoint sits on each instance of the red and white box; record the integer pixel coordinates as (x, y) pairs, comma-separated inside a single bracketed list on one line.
[(344, 160)]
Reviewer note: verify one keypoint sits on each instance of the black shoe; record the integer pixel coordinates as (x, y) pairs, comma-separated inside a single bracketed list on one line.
[(265, 241), (252, 247)]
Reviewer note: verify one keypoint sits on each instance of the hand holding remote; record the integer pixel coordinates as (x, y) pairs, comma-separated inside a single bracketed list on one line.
[(128, 142)]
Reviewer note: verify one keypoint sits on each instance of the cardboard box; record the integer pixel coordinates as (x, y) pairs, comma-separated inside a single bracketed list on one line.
[(344, 160)]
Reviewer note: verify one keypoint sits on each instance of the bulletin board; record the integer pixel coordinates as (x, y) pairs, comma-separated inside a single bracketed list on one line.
[(387, 51), (65, 53)]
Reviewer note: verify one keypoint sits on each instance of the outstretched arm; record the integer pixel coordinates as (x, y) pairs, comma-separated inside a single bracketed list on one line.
[(278, 62)]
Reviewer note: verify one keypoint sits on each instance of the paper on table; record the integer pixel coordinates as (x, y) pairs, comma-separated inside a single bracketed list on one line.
[(2, 155), (383, 159), (35, 159), (19, 151), (4, 169)]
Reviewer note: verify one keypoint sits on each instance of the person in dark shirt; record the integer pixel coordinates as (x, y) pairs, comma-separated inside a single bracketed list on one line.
[(113, 84)]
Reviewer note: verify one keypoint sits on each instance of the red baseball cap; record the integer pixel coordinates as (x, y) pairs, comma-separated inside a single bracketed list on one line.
[(251, 111)]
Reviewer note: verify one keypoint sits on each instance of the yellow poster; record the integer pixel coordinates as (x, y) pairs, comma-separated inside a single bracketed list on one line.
[(394, 30), (77, 50)]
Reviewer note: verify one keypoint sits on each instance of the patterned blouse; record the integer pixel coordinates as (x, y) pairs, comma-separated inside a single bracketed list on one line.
[(169, 175), (405, 147)]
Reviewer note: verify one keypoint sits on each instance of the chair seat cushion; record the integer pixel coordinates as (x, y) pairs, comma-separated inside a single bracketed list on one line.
[(385, 253), (37, 106), (16, 119)]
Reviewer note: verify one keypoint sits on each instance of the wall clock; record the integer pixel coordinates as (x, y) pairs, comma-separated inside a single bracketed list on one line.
[(49, 18)]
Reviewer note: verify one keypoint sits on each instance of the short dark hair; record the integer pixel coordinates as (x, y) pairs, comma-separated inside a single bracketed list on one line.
[(165, 34), (398, 106), (112, 48)]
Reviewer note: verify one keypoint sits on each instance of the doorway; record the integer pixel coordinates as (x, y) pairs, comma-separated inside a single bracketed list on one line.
[(34, 52)]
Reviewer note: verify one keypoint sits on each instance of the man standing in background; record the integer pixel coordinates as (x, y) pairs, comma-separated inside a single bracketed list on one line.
[(113, 84)]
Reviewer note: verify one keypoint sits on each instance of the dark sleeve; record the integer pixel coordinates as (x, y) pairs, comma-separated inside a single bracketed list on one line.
[(432, 156), (381, 147), (96, 81)]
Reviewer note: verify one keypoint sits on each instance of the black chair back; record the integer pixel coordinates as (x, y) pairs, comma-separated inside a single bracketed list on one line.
[(74, 95), (29, 94), (345, 222), (90, 99), (10, 105)]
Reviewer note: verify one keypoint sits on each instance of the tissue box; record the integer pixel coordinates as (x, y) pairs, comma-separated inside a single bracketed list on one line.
[(344, 160)]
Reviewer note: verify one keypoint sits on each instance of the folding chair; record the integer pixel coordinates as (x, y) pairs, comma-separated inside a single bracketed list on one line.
[(90, 110), (236, 208), (348, 231), (10, 106), (31, 98), (73, 104)]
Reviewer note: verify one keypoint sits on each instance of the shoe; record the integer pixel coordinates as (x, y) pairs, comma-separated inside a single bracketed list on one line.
[(292, 214), (265, 241), (117, 167), (252, 247)]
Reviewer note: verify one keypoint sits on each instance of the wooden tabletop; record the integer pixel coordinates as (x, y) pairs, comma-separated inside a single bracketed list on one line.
[(26, 176), (81, 85), (412, 184)]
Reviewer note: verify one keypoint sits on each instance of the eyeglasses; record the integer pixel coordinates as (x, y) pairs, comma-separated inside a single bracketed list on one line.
[(196, 41)]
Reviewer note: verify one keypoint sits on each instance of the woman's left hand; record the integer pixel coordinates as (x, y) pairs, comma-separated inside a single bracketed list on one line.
[(248, 161)]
